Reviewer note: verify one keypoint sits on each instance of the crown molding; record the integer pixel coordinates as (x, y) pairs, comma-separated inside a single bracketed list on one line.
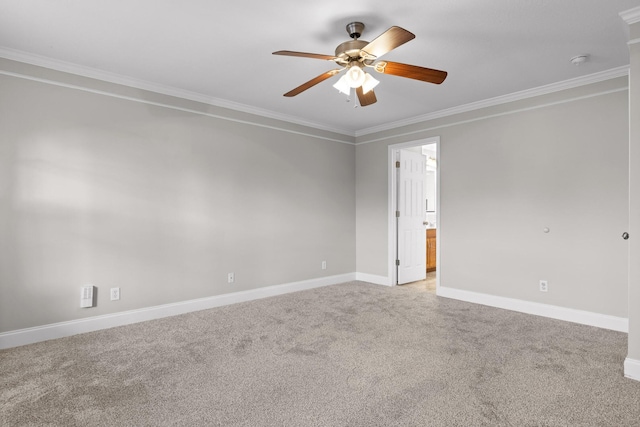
[(223, 116), (94, 73), (631, 16), (491, 102), (115, 78), (479, 117)]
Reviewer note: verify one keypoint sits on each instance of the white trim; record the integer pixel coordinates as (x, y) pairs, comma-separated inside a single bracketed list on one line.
[(632, 369), (490, 116), (73, 327), (391, 202), (491, 102), (631, 16), (94, 73), (161, 104), (603, 321), (634, 41), (373, 278), (438, 210), (67, 67)]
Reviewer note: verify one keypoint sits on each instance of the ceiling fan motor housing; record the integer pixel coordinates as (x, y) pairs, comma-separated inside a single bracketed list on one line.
[(350, 50)]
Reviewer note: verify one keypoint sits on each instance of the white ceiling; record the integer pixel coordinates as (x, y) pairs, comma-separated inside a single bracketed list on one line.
[(221, 50)]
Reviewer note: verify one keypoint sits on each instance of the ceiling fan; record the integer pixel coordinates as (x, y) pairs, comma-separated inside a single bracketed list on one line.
[(354, 55)]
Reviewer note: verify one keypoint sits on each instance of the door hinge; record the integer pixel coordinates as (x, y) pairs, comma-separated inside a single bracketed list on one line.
[(398, 164), (397, 214), (397, 262)]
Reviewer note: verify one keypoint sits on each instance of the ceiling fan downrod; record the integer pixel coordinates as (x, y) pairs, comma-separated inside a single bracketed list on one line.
[(355, 29)]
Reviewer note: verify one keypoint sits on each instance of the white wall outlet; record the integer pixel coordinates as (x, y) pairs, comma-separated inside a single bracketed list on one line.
[(544, 286), (86, 296), (231, 278), (324, 265), (115, 294)]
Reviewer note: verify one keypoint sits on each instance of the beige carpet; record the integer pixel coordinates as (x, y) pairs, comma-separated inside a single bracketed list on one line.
[(346, 355)]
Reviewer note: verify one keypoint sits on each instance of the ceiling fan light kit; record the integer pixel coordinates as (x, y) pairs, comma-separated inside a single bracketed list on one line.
[(347, 82), (354, 55)]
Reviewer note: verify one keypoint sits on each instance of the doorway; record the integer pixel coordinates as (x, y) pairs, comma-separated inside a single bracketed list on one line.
[(400, 233)]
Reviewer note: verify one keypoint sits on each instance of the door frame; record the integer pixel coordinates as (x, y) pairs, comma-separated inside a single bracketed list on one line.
[(392, 205)]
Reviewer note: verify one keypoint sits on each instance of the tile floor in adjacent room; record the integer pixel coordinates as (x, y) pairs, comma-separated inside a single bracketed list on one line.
[(427, 285)]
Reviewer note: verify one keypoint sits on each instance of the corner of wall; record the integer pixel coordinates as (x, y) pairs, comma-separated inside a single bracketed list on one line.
[(632, 369), (373, 278)]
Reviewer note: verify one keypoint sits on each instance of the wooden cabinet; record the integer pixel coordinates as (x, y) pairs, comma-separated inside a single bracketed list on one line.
[(431, 249)]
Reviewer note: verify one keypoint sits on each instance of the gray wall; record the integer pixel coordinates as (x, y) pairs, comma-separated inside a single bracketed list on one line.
[(507, 172), (634, 231), (164, 202), (371, 209), (158, 201)]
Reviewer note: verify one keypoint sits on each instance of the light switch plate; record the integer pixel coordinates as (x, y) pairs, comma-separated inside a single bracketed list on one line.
[(86, 296)]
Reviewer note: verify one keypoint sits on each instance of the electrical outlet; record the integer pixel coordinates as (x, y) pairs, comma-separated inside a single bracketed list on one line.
[(115, 294), (231, 278), (324, 265), (544, 286)]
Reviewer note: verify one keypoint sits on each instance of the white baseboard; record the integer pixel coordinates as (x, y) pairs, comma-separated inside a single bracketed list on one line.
[(604, 321), (372, 278), (89, 324), (632, 369)]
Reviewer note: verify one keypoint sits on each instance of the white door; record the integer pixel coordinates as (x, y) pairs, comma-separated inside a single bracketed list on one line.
[(412, 244)]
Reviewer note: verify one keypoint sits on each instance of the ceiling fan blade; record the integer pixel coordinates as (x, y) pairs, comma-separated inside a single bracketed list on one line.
[(305, 55), (322, 77), (387, 41), (366, 98), (428, 75)]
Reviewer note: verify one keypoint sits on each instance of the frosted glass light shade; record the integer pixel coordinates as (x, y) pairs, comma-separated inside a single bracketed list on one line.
[(369, 83), (343, 86), (355, 76)]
